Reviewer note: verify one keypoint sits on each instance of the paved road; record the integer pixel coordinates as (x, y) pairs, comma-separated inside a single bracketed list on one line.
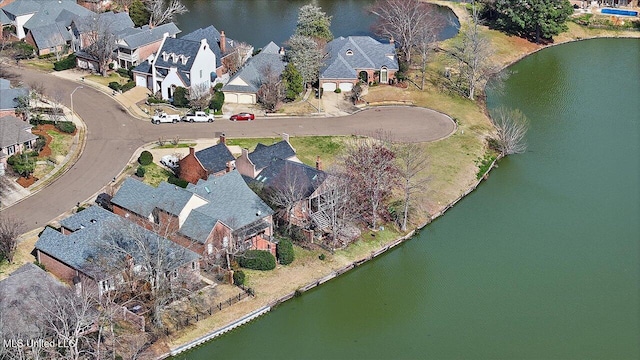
[(113, 135)]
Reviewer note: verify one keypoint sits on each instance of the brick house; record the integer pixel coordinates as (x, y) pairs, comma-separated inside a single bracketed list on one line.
[(213, 217), (139, 43), (215, 160), (250, 164), (9, 97), (15, 137), (95, 247), (357, 58)]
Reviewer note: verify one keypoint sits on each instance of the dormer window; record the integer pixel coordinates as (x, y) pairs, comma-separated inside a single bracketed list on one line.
[(174, 58), (184, 60), (165, 56), (349, 52)]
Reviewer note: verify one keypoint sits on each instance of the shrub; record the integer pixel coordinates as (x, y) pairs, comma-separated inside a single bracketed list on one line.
[(23, 165), (218, 86), (238, 277), (284, 250), (180, 97), (126, 73), (115, 85), (128, 86), (154, 100), (67, 63), (40, 143), (322, 257), (140, 171), (217, 100), (178, 182), (66, 127), (145, 158), (257, 260), (337, 90)]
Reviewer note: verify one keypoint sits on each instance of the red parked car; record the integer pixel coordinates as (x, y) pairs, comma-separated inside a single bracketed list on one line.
[(242, 116)]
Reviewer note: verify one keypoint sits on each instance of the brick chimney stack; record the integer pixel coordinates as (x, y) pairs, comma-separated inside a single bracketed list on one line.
[(192, 151), (223, 42), (318, 163), (223, 139)]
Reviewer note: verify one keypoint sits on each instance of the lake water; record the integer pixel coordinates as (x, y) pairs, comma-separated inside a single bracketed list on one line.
[(257, 22)]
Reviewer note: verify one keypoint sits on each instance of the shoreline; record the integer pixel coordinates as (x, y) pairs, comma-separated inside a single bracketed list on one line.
[(510, 60)]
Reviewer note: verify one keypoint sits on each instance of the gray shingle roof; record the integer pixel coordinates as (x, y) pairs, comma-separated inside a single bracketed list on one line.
[(286, 173), (252, 72), (4, 19), (145, 35), (198, 226), (87, 248), (85, 218), (231, 201), (21, 296), (114, 22), (171, 198), (8, 95), (22, 7), (215, 158), (143, 68), (48, 36), (136, 196), (365, 53), (14, 131), (187, 48), (213, 39), (262, 156), (55, 11)]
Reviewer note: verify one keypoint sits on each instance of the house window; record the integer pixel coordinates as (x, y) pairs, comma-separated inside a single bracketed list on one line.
[(11, 150), (225, 242), (200, 74), (27, 145), (349, 52), (384, 77), (209, 248), (194, 265)]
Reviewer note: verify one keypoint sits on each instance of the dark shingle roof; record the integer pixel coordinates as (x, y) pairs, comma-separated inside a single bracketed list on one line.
[(21, 296), (8, 95), (143, 68), (23, 7), (14, 131), (145, 35), (113, 22), (50, 12), (215, 158), (213, 39), (136, 196), (366, 53), (262, 156), (4, 19), (286, 173), (171, 198), (187, 48), (87, 248), (52, 35), (231, 201), (85, 218), (252, 72)]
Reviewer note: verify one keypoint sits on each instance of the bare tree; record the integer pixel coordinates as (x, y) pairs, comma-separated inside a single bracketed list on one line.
[(10, 229), (271, 91), (371, 166), (402, 20), (332, 209), (512, 126), (289, 188), (236, 57), (473, 53), (164, 11), (5, 38), (102, 42), (199, 96), (56, 98), (69, 316), (412, 162), (425, 39)]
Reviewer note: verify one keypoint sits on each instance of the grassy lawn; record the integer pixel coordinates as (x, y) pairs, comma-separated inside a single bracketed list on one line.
[(41, 64), (298, 108), (155, 174), (307, 147), (60, 144), (42, 170), (171, 146), (114, 76)]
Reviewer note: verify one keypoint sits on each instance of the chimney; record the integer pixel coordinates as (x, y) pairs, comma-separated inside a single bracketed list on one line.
[(245, 153), (192, 151), (223, 139), (282, 51), (391, 40), (223, 42), (285, 137), (229, 166), (318, 163)]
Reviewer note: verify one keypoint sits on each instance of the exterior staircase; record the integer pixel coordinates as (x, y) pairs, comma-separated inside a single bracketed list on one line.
[(321, 219)]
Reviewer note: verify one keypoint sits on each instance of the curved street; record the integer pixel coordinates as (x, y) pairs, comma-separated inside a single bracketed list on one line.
[(113, 136)]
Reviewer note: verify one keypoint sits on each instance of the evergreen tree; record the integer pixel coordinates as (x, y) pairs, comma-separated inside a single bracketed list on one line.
[(306, 56), (138, 13), (532, 19), (314, 23), (293, 82)]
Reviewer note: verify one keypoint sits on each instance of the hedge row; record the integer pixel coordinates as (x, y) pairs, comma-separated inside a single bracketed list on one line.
[(284, 250), (257, 260), (67, 63)]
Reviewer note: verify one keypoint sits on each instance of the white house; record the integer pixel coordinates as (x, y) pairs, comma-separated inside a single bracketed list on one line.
[(178, 63)]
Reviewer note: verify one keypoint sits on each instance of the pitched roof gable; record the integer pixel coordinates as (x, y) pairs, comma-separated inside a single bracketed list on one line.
[(177, 47), (14, 131), (135, 196), (215, 158), (213, 39), (50, 12), (286, 173), (252, 71), (9, 96), (138, 37), (357, 52), (49, 36), (262, 156)]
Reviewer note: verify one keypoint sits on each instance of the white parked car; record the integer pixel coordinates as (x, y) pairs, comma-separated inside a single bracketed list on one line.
[(198, 116), (169, 161), (165, 118)]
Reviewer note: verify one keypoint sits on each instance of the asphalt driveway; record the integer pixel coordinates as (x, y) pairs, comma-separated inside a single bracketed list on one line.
[(113, 136)]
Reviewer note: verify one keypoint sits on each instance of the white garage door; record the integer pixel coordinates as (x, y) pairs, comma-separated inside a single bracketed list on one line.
[(141, 80), (329, 86), (245, 99), (230, 98), (346, 86)]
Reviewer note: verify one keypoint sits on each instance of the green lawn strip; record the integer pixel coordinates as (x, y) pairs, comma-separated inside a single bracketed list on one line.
[(155, 174), (106, 80), (307, 147), (60, 143)]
